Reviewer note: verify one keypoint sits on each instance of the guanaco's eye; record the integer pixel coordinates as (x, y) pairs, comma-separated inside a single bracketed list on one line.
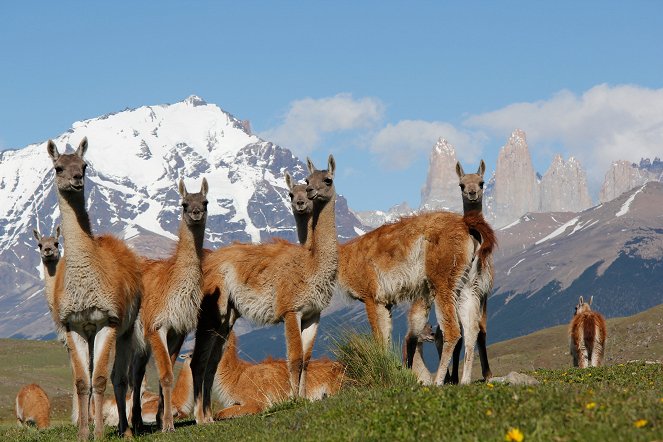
[(185, 205), (481, 184), (205, 203), (58, 169), (462, 186), (84, 167), (306, 180), (291, 195), (328, 181), (39, 245), (57, 244)]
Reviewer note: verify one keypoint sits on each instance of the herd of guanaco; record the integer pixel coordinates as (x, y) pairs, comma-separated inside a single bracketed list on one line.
[(113, 309)]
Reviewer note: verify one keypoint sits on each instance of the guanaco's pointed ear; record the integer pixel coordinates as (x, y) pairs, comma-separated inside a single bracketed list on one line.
[(57, 232), (182, 188), (482, 168), (204, 187), (82, 147), (459, 170), (309, 165), (331, 165), (35, 232), (581, 301), (288, 181), (52, 150), (591, 298)]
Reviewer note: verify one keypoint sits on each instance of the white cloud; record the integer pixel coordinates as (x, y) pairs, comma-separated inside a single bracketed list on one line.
[(398, 145), (307, 120), (604, 124)]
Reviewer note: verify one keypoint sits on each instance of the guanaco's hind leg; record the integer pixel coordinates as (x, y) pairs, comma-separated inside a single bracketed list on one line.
[(384, 322), (448, 322), (449, 377), (158, 343), (481, 343), (309, 331), (120, 378), (80, 358), (104, 356), (293, 341), (417, 320)]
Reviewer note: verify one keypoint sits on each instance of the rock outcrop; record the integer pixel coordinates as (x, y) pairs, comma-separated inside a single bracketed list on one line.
[(441, 189), (564, 187), (624, 176), (516, 186)]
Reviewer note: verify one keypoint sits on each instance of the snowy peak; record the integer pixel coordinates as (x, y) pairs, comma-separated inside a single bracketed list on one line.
[(135, 159), (194, 100)]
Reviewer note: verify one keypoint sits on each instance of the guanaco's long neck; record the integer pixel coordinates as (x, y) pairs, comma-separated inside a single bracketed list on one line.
[(304, 223), (76, 227), (189, 249), (322, 240), (49, 277), (472, 206)]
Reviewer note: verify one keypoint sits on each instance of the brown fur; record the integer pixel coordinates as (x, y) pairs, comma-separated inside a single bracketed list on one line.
[(33, 407), (246, 388), (97, 297), (471, 186), (587, 336), (171, 301), (270, 283), (443, 239), (49, 252)]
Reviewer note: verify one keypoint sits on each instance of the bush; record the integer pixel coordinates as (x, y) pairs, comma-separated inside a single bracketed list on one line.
[(370, 365)]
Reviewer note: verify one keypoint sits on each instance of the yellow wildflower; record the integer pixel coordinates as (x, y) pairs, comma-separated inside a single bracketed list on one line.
[(489, 412), (514, 435), (661, 400), (490, 385), (590, 405), (640, 423)]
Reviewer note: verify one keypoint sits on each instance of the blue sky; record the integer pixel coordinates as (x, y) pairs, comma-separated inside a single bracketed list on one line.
[(374, 82)]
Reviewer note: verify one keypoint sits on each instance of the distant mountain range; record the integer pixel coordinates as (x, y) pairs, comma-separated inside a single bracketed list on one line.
[(516, 188), (135, 159), (553, 245)]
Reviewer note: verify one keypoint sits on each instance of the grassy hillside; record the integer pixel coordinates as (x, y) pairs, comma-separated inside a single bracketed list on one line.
[(47, 364), (637, 337), (621, 402), (569, 404)]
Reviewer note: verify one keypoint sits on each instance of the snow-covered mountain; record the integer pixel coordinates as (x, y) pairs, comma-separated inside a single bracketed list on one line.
[(613, 251), (135, 159)]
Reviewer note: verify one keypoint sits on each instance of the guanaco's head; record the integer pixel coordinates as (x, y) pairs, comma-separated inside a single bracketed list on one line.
[(49, 247), (471, 184), (194, 205), (320, 183), (69, 167), (583, 306), (301, 205), (427, 334)]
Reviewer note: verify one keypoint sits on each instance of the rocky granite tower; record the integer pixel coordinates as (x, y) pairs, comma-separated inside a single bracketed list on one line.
[(516, 188), (623, 176), (441, 188), (563, 188)]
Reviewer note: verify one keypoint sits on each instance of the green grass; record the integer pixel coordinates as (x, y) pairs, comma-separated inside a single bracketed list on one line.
[(555, 410), (383, 403)]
